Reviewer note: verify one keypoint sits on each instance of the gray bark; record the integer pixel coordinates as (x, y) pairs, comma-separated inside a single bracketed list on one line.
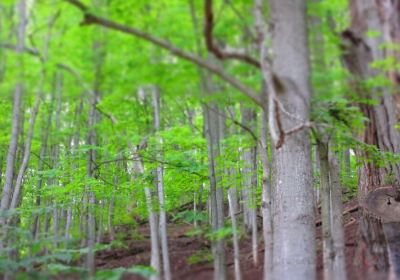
[(326, 208), (18, 95), (293, 208), (155, 261), (91, 226), (266, 200), (160, 188), (212, 136), (236, 249), (27, 152), (339, 261)]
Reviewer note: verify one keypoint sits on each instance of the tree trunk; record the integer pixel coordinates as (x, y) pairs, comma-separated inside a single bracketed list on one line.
[(160, 188), (91, 226), (339, 259), (331, 213), (236, 251), (266, 200), (16, 121), (325, 190), (247, 153), (212, 136), (212, 133), (362, 49), (293, 208)]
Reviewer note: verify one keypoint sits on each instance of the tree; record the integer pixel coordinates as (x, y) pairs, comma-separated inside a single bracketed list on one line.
[(362, 56)]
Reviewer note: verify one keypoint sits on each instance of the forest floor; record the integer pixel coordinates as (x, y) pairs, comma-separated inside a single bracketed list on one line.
[(184, 248)]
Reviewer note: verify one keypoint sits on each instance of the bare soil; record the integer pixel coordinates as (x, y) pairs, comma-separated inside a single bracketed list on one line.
[(182, 247)]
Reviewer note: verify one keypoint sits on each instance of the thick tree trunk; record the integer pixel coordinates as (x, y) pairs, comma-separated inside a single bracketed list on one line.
[(361, 50), (293, 207)]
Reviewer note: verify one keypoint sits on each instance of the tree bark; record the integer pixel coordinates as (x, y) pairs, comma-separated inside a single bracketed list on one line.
[(160, 188), (18, 96), (266, 200), (339, 258), (293, 207), (212, 136), (331, 213), (362, 49), (325, 190), (236, 251)]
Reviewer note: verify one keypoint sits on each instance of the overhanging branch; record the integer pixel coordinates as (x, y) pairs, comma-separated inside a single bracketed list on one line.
[(213, 48), (90, 18)]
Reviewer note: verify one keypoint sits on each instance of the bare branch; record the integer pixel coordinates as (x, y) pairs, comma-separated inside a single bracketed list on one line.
[(90, 18), (213, 48), (30, 51), (241, 125)]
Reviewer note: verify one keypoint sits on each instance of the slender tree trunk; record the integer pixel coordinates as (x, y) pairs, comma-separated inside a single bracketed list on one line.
[(339, 258), (160, 187), (211, 132), (247, 119), (236, 249), (194, 210), (327, 242), (155, 261), (249, 172), (42, 156), (254, 226), (91, 196), (293, 210), (347, 163), (56, 152), (266, 201), (212, 135), (27, 152), (74, 146), (18, 96), (111, 206), (68, 224), (326, 211)]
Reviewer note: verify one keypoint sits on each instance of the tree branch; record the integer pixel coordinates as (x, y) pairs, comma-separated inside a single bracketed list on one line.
[(90, 18), (213, 48)]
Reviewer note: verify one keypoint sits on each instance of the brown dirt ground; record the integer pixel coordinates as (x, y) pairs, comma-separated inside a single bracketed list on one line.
[(137, 252)]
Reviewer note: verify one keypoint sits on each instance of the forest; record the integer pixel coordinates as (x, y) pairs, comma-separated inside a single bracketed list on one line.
[(200, 139)]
